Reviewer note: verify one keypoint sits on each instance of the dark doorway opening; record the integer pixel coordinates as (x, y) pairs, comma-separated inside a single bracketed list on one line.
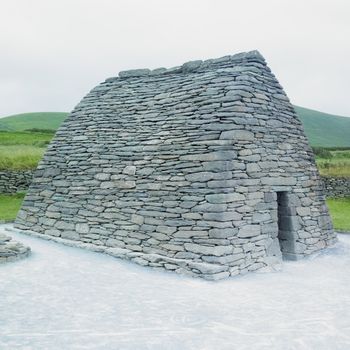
[(286, 219)]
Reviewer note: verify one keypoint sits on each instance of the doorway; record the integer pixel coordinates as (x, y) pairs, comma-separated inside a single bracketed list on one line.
[(286, 225)]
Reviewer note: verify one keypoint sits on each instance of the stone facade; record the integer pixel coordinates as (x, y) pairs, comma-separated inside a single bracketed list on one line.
[(201, 169), (15, 181), (336, 186)]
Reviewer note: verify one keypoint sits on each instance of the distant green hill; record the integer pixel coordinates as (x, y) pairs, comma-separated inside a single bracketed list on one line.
[(39, 120), (325, 130), (322, 129)]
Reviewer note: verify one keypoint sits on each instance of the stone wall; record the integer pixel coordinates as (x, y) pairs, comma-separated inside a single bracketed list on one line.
[(181, 169), (336, 187), (15, 181)]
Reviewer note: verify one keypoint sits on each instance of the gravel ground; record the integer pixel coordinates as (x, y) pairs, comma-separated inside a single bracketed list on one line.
[(68, 298)]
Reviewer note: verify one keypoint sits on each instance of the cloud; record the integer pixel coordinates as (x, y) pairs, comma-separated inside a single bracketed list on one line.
[(54, 52)]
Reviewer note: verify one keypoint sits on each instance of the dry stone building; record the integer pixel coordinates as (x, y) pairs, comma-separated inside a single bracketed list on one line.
[(202, 169)]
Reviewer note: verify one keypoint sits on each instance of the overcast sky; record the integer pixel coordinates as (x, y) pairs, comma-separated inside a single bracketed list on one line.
[(54, 51)]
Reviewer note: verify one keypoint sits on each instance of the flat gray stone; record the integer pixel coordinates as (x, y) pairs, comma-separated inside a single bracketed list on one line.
[(238, 135), (134, 73), (224, 197), (207, 250), (249, 231), (82, 228)]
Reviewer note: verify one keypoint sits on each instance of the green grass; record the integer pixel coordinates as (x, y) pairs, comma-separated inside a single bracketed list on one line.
[(22, 150), (9, 205), (340, 212), (25, 138), (337, 166), (39, 120), (325, 130), (20, 157)]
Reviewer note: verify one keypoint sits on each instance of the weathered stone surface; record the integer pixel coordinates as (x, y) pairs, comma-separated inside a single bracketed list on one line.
[(208, 268), (181, 168), (261, 217), (137, 219), (336, 186), (223, 232), (200, 177), (279, 181), (47, 221), (207, 250), (102, 176), (222, 216), (63, 225), (118, 184), (166, 229), (11, 250), (130, 170), (253, 167), (303, 211), (134, 73), (249, 231), (15, 181), (190, 234), (239, 135), (70, 235), (224, 197), (82, 228)]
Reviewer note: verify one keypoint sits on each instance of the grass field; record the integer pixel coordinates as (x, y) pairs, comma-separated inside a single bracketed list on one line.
[(340, 211), (20, 157), (336, 165), (25, 138), (9, 205), (22, 150), (39, 120)]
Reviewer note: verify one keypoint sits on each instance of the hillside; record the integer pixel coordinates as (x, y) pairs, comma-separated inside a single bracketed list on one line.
[(39, 120), (322, 129), (325, 130)]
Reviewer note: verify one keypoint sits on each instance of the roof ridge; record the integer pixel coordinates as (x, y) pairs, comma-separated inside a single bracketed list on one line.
[(192, 66)]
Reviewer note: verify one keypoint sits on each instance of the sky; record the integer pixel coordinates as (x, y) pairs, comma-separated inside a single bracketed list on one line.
[(52, 52)]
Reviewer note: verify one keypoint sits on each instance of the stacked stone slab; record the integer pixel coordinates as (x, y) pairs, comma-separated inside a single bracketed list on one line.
[(15, 181), (11, 250), (182, 169), (336, 186)]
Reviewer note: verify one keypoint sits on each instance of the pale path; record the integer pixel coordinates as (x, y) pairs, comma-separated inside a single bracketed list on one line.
[(68, 298)]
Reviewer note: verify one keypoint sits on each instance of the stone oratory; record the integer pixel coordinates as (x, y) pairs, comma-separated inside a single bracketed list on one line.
[(202, 169)]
